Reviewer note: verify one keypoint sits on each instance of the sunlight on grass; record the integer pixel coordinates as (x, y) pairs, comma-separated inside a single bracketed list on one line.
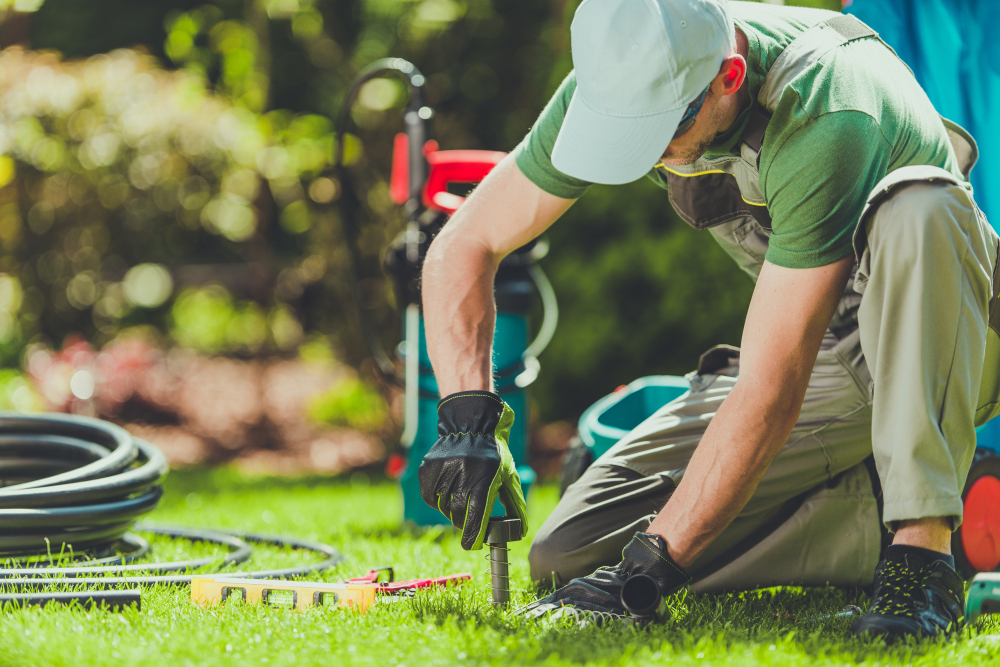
[(361, 517)]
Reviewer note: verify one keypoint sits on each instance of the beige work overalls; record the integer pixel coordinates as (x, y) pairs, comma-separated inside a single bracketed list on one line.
[(900, 375)]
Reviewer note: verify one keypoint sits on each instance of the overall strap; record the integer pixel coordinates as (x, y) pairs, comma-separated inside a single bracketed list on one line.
[(753, 136), (804, 52), (966, 149)]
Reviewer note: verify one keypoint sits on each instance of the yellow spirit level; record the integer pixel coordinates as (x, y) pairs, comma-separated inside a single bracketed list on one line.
[(211, 590)]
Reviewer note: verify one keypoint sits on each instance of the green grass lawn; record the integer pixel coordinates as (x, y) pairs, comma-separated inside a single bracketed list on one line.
[(455, 626)]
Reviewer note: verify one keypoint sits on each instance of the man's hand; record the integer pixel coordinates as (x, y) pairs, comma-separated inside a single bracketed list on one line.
[(600, 594), (470, 466)]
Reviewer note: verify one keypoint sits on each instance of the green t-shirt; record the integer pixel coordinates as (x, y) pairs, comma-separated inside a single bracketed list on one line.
[(857, 115)]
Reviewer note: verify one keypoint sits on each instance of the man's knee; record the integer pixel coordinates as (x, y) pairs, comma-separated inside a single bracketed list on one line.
[(594, 521), (544, 560), (563, 554), (558, 546)]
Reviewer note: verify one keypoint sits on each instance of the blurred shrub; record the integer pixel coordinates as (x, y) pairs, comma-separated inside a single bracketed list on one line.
[(230, 44), (68, 379), (210, 320), (17, 393), (316, 352), (114, 171), (116, 176), (351, 403)]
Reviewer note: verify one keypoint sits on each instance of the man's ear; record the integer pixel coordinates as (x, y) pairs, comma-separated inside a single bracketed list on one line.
[(731, 75)]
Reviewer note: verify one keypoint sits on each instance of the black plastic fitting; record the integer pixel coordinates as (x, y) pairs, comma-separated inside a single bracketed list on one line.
[(640, 595)]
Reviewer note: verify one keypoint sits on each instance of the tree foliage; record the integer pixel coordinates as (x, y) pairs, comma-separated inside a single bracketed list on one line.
[(206, 149), (121, 178)]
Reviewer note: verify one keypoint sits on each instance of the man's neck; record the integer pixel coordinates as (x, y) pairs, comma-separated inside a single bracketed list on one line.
[(735, 104)]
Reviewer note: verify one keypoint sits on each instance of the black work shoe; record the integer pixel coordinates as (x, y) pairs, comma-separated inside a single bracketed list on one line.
[(916, 595)]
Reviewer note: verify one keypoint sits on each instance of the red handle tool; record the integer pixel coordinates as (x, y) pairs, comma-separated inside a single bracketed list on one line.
[(389, 587)]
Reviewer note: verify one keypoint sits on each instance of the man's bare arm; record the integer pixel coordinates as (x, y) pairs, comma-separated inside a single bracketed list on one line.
[(789, 313), (505, 212)]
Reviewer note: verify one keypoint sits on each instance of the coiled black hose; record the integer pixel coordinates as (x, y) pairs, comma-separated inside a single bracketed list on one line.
[(70, 480)]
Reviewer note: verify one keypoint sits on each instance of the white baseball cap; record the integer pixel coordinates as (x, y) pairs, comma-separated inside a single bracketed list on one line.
[(639, 64)]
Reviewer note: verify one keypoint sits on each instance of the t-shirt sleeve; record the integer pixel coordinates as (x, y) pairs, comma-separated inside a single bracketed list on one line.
[(534, 154), (816, 185)]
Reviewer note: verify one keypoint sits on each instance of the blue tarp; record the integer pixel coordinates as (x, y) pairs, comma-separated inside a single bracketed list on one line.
[(948, 46)]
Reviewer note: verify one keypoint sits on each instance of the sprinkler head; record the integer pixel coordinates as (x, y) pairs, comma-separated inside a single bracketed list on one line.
[(499, 532), (502, 530)]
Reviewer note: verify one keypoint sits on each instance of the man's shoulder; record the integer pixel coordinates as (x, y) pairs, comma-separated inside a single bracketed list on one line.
[(771, 28), (854, 75), (534, 154), (862, 75), (857, 86)]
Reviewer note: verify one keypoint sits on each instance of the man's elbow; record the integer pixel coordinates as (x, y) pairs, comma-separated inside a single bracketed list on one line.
[(436, 253), (451, 249), (778, 403), (784, 414)]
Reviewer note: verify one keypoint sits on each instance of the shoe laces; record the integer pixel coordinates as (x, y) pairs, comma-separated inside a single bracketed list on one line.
[(901, 588)]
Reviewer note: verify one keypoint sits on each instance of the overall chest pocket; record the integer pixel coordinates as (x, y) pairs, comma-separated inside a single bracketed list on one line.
[(709, 199)]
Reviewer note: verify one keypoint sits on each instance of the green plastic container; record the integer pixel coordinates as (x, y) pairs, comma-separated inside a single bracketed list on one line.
[(608, 420), (983, 596)]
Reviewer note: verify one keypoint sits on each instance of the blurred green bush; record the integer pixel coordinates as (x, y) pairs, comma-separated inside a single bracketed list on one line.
[(178, 176), (16, 393), (351, 403), (122, 179), (210, 320)]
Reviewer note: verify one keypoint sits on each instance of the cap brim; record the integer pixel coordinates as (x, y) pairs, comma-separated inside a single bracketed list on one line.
[(598, 148)]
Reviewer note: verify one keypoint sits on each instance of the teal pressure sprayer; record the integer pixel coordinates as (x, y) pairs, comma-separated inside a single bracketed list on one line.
[(421, 177)]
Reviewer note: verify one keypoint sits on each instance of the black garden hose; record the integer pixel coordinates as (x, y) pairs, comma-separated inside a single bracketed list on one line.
[(73, 481), (72, 485), (239, 552), (164, 573)]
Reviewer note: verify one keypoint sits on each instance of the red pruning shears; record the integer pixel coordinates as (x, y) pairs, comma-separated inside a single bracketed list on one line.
[(390, 587)]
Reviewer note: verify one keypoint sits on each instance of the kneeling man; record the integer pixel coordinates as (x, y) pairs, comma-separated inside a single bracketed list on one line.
[(800, 141)]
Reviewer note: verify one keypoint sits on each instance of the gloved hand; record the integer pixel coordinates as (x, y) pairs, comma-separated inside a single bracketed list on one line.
[(470, 465), (600, 593)]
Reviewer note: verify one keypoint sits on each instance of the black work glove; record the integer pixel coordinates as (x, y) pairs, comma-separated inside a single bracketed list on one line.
[(600, 593), (470, 466)]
